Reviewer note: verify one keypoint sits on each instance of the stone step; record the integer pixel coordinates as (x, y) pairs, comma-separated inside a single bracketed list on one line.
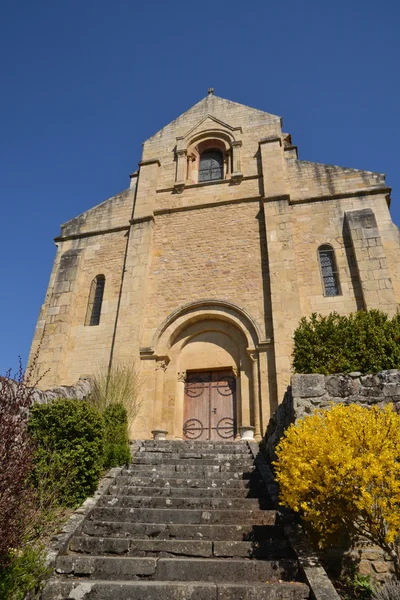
[(187, 445), (196, 492), (159, 480), (184, 502), (194, 471), (162, 531), (198, 467), (184, 548), (154, 590), (177, 569), (189, 516), (158, 458), (236, 450)]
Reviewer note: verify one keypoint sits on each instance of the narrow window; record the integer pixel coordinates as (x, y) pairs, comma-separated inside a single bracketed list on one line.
[(211, 165), (95, 300), (329, 272)]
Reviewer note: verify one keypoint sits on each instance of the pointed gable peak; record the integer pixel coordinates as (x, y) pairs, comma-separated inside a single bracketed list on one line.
[(205, 123), (223, 112)]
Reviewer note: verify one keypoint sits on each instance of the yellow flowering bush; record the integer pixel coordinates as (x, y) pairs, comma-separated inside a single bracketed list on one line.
[(340, 469)]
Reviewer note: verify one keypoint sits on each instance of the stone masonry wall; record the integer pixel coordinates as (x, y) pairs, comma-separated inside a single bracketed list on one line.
[(308, 393), (80, 390)]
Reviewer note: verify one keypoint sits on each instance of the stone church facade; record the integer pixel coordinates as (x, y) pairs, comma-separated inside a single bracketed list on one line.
[(201, 270)]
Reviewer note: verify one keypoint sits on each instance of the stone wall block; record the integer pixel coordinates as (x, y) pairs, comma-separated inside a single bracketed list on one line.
[(370, 381), (389, 376), (308, 386), (392, 390), (372, 553), (370, 392), (341, 385), (380, 567), (365, 567)]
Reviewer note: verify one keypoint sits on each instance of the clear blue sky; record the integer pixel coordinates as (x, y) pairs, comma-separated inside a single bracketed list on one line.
[(84, 82)]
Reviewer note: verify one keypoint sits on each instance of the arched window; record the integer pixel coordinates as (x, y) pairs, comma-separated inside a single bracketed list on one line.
[(95, 300), (329, 272), (211, 165)]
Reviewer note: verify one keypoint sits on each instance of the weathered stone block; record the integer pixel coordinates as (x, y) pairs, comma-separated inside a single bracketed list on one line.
[(308, 386), (380, 566), (341, 385)]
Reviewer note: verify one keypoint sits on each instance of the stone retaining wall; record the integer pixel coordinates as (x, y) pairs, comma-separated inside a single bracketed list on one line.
[(79, 390), (309, 392)]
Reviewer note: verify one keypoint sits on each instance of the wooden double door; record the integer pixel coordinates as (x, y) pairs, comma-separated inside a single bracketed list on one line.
[(210, 405)]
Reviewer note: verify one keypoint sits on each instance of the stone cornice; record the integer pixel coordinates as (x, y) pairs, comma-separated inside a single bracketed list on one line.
[(141, 219), (167, 211), (150, 161), (270, 139), (77, 236), (189, 186), (338, 196)]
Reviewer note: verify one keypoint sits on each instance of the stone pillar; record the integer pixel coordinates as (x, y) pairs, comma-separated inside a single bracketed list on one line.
[(237, 416), (236, 157), (145, 202), (285, 298), (41, 341), (273, 167), (161, 366), (375, 281), (237, 174), (268, 399), (245, 399), (137, 264), (179, 405), (181, 170), (133, 296), (255, 395), (58, 315)]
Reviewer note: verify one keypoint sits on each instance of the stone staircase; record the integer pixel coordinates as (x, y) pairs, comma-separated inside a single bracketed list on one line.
[(186, 521)]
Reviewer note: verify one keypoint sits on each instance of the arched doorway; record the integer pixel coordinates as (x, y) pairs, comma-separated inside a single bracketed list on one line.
[(211, 360), (214, 344)]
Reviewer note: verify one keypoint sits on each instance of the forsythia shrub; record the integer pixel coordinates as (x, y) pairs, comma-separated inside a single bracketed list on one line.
[(116, 442), (366, 341), (341, 468), (70, 438)]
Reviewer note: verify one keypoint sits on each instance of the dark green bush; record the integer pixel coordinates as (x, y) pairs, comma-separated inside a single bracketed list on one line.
[(116, 444), (70, 454), (27, 570), (366, 341)]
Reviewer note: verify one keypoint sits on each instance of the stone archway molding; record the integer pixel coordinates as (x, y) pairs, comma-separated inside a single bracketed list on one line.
[(205, 309)]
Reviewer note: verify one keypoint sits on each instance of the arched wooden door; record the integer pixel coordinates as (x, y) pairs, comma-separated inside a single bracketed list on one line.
[(210, 405)]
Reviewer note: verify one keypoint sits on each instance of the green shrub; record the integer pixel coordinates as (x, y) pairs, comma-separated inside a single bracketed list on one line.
[(116, 444), (25, 573), (70, 439), (366, 341)]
